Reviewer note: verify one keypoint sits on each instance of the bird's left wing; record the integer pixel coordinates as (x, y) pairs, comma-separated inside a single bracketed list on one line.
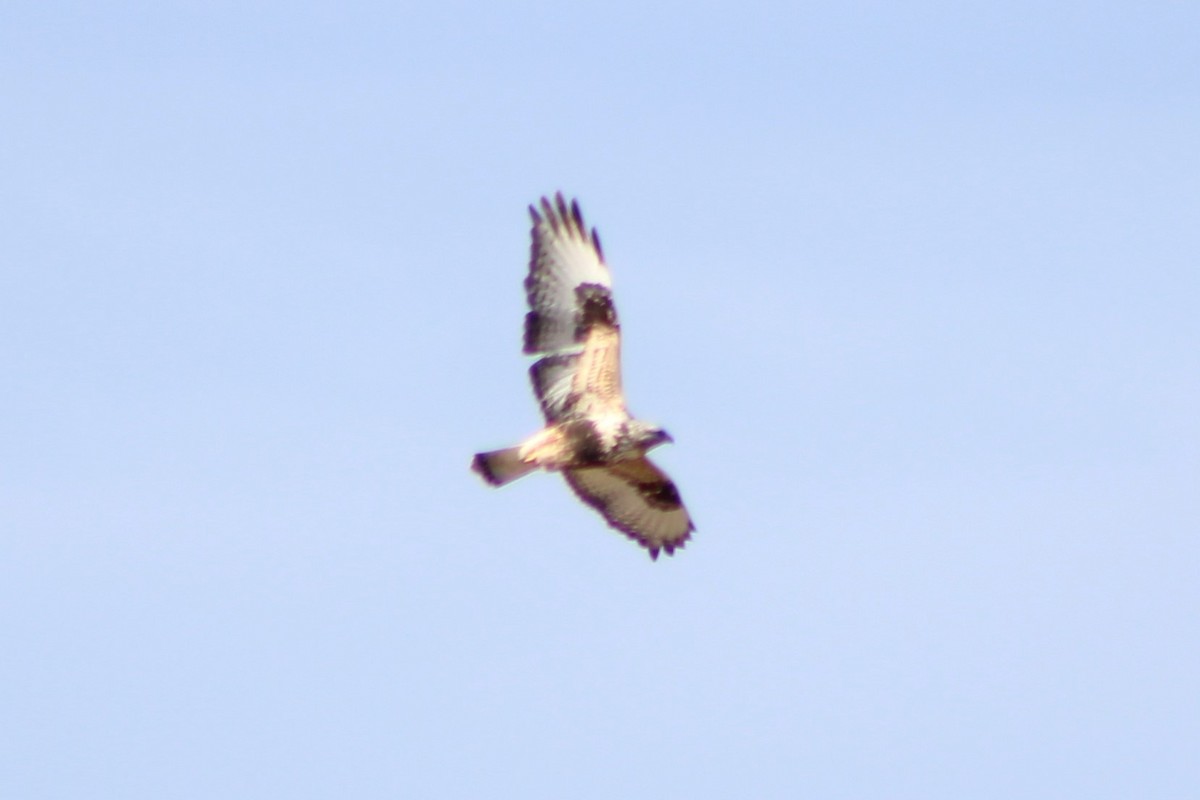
[(571, 316), (638, 499)]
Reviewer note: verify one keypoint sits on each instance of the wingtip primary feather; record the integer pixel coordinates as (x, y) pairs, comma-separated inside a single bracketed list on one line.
[(558, 213), (549, 215), (668, 547)]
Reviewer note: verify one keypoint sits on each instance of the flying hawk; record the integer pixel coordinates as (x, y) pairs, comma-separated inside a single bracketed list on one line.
[(589, 436)]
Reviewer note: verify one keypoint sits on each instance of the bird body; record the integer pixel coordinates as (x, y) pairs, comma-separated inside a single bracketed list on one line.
[(590, 435)]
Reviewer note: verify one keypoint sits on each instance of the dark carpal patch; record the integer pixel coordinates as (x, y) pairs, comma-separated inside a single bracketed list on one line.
[(660, 494), (595, 308)]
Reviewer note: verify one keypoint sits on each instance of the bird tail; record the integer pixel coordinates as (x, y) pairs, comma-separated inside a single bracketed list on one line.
[(501, 466)]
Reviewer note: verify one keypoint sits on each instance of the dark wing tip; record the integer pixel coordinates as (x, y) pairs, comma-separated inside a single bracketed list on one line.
[(667, 547), (556, 211), (549, 214), (655, 549), (533, 331)]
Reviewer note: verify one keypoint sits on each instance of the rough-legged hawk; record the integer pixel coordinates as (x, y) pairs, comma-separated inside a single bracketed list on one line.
[(589, 435)]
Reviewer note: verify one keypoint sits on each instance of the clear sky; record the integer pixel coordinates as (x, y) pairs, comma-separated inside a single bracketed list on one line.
[(915, 287)]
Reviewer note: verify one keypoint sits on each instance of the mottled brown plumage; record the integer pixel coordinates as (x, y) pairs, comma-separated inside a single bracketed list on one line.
[(589, 436)]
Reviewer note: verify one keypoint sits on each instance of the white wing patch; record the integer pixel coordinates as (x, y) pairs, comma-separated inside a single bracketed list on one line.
[(553, 378)]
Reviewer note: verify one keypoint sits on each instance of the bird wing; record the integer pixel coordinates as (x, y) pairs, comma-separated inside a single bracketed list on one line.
[(638, 499), (572, 318)]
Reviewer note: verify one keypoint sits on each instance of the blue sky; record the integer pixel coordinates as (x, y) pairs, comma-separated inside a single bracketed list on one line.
[(916, 290)]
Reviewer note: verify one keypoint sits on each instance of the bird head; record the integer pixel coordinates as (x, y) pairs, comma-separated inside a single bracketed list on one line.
[(648, 434)]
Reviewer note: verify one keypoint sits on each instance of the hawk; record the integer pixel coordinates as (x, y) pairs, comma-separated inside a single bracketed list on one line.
[(590, 436)]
